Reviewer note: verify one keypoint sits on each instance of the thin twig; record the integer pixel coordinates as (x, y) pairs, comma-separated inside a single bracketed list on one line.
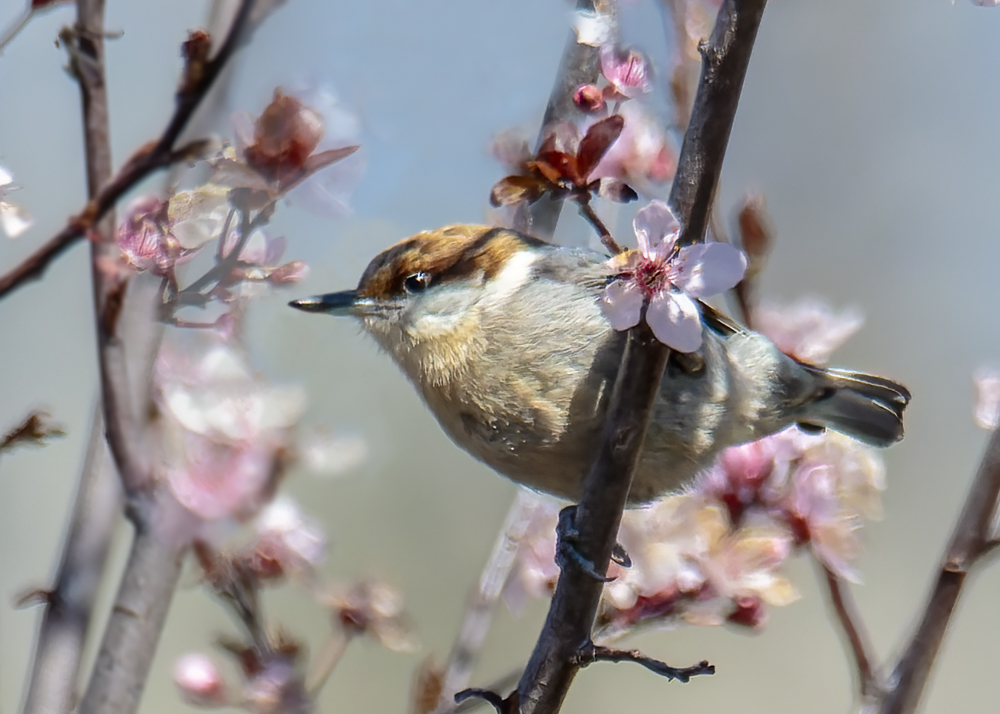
[(595, 653), (580, 65), (52, 686), (483, 601), (855, 633), (588, 212), (150, 158), (553, 663), (327, 660), (971, 540)]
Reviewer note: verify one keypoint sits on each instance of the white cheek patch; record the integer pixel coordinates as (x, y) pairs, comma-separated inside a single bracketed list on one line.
[(430, 326), (514, 275)]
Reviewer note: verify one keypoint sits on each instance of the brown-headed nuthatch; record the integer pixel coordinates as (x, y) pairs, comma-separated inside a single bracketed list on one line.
[(503, 336)]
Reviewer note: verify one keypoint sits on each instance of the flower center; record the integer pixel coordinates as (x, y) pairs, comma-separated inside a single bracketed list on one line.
[(654, 276)]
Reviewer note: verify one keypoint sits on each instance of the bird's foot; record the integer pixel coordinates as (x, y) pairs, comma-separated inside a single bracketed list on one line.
[(567, 552)]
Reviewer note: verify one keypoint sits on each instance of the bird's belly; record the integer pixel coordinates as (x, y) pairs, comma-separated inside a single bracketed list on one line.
[(551, 445)]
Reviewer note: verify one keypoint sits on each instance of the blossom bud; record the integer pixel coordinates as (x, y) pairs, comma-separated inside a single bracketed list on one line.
[(200, 681), (588, 98)]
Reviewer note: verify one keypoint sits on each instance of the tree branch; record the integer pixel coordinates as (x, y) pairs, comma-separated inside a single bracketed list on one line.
[(972, 539), (199, 77), (554, 662), (140, 609), (859, 645), (52, 686)]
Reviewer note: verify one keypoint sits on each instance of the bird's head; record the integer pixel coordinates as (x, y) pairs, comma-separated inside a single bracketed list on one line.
[(423, 299)]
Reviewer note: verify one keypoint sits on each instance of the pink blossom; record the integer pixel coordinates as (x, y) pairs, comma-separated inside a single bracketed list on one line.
[(642, 154), (222, 481), (226, 430), (738, 475), (808, 330), (628, 71), (200, 681), (327, 452), (371, 607), (535, 571), (147, 240), (287, 540), (987, 414), (144, 238), (589, 98), (670, 278), (691, 564), (14, 220), (297, 148), (276, 686)]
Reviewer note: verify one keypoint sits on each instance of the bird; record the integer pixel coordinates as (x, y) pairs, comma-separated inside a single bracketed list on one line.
[(502, 335)]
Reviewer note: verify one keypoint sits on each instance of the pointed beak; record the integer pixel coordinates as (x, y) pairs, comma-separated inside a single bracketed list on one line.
[(342, 303)]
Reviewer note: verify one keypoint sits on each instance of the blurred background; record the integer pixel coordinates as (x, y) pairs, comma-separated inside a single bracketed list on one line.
[(870, 127)]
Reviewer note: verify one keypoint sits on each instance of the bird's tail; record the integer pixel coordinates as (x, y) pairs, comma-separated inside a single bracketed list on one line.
[(867, 408)]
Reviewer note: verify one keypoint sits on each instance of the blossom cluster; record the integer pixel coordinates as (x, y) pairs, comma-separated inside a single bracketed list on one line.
[(279, 154), (618, 143)]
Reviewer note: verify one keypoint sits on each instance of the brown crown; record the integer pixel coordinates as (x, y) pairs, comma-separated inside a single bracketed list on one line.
[(452, 253)]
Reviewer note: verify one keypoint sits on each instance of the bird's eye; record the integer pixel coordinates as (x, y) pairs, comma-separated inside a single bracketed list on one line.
[(417, 283)]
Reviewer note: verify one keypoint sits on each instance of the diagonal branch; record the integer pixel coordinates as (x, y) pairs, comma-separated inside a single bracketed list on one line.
[(869, 685), (554, 663), (972, 539), (199, 78)]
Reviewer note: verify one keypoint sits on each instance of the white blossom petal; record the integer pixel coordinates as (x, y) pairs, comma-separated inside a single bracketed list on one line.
[(621, 303), (710, 268), (14, 220), (675, 320), (656, 229), (987, 413)]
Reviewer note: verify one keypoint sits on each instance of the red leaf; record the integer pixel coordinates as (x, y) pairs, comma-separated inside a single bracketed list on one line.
[(596, 143), (554, 166), (516, 189)]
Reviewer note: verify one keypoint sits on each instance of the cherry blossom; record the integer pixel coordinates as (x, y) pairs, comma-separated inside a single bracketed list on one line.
[(275, 682), (627, 70), (808, 330), (200, 681), (589, 98), (691, 564), (987, 413), (145, 239), (14, 220), (286, 540), (226, 431), (373, 608), (535, 572), (642, 155), (156, 235), (288, 149), (670, 278)]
